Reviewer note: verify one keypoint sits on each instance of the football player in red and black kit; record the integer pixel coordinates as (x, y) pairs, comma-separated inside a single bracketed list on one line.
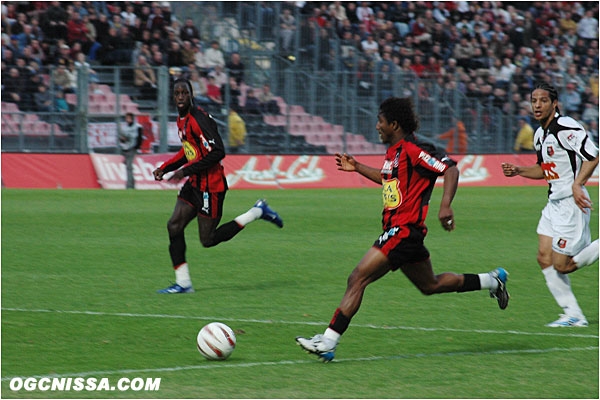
[(203, 193), (408, 176)]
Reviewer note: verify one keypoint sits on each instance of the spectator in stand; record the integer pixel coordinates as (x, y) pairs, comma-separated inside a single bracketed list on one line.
[(199, 88), (231, 93), (219, 75), (363, 12), (287, 27), (590, 112), (189, 32), (236, 68), (128, 15), (158, 59), (418, 67), (175, 55), (268, 104), (76, 30), (252, 105), (338, 12), (188, 52), (63, 79), (570, 99), (370, 47), (144, 78), (156, 20), (587, 27), (42, 99), (13, 88), (54, 21), (213, 92), (60, 104), (213, 56)]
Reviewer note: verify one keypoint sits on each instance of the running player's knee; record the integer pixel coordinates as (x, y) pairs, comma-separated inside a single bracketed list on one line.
[(428, 289), (208, 240), (173, 227), (544, 260), (356, 279)]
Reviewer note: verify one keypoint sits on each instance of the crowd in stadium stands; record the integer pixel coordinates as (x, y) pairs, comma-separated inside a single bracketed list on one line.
[(488, 50)]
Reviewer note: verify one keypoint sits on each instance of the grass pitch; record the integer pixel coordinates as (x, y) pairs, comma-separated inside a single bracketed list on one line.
[(80, 270)]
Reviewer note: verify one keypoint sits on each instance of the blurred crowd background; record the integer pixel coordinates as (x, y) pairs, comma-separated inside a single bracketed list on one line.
[(295, 77)]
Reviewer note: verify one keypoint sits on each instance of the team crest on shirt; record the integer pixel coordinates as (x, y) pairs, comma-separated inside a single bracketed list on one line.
[(550, 151), (387, 167), (562, 243), (190, 151), (392, 196)]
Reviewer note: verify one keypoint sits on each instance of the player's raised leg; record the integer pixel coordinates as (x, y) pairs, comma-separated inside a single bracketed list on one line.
[(181, 217), (422, 276), (585, 257)]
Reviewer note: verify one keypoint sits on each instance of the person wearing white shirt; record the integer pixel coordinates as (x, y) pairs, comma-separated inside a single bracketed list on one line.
[(213, 56), (587, 27)]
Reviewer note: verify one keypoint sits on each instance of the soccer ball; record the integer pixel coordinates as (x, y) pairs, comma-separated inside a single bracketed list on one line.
[(216, 341)]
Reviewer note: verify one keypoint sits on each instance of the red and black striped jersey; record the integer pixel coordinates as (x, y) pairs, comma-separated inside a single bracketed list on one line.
[(202, 150), (408, 175)]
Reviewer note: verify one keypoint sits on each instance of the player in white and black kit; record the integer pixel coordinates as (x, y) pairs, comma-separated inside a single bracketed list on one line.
[(566, 158)]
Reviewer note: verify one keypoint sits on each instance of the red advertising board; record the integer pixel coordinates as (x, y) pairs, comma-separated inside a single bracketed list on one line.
[(243, 172), (273, 172), (48, 171)]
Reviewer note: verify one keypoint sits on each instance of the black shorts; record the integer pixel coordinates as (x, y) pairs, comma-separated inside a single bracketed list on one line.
[(403, 245), (206, 204)]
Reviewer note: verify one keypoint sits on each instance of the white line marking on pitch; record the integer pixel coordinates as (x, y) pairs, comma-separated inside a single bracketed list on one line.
[(268, 321), (213, 365)]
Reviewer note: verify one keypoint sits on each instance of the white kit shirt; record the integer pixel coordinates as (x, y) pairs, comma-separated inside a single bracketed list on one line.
[(561, 149)]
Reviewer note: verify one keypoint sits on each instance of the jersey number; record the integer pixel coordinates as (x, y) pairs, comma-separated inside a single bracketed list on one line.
[(549, 174)]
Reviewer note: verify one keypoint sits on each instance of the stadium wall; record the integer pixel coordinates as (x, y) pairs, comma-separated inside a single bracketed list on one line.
[(80, 171)]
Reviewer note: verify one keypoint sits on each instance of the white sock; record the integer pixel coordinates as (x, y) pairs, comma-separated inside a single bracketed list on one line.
[(333, 335), (182, 276), (560, 287), (588, 255), (487, 282), (251, 215)]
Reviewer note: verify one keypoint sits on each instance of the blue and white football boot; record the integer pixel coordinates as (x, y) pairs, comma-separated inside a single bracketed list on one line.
[(175, 289), (267, 213), (501, 294), (323, 347), (568, 322)]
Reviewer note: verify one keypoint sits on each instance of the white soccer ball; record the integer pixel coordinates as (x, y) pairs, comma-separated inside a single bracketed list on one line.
[(216, 341)]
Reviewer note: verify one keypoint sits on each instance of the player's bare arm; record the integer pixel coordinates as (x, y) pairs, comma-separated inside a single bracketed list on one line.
[(158, 174), (177, 176), (348, 163), (446, 215), (533, 172), (583, 201)]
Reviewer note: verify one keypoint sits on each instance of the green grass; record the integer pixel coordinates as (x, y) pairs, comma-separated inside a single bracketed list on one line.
[(107, 251)]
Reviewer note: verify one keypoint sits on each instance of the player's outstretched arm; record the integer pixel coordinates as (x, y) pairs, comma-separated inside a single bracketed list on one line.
[(533, 172), (348, 163), (587, 169), (446, 215)]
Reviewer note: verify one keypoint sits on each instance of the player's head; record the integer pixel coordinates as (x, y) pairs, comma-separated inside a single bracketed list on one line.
[(183, 95), (396, 114), (129, 118), (544, 102)]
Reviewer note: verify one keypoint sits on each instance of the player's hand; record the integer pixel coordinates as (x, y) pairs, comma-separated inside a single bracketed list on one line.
[(446, 216), (510, 169), (177, 176), (581, 200), (158, 174), (345, 162)]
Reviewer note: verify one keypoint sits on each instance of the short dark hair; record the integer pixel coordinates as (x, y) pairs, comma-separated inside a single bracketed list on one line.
[(402, 111), (186, 82)]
